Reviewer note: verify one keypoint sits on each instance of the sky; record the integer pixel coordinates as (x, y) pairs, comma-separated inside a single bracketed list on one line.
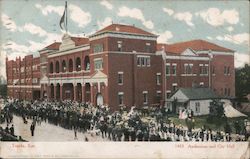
[(27, 26)]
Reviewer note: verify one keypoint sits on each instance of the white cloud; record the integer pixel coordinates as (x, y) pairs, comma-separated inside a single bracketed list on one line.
[(79, 16), (230, 28), (148, 24), (242, 38), (164, 36), (52, 37), (50, 9), (184, 16), (219, 38), (76, 14), (135, 14), (215, 17), (107, 21), (209, 37), (168, 11), (33, 29), (107, 4), (241, 59), (8, 23)]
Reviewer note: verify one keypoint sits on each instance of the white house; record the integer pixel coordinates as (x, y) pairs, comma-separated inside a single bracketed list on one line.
[(196, 100)]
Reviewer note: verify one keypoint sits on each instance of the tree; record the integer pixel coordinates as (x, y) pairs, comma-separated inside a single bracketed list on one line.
[(242, 82), (216, 109), (3, 90)]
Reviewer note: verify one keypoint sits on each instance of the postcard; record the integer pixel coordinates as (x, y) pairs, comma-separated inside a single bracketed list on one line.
[(124, 79)]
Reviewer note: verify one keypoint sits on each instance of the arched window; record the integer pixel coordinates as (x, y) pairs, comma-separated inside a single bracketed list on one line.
[(57, 66), (63, 66), (86, 63), (78, 64), (51, 67), (70, 65)]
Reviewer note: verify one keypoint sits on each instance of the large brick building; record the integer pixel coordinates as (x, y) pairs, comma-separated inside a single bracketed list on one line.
[(120, 65)]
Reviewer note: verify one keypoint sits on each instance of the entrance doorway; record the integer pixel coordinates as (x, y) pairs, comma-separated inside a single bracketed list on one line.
[(99, 99)]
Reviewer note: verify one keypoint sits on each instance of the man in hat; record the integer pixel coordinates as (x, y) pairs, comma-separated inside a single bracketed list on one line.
[(32, 128)]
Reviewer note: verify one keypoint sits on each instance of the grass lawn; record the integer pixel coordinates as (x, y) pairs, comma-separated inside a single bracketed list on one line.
[(217, 125)]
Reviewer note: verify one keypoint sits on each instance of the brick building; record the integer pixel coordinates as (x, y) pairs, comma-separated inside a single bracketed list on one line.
[(120, 65)]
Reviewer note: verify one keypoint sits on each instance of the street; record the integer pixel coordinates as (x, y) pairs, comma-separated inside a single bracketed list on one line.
[(48, 132)]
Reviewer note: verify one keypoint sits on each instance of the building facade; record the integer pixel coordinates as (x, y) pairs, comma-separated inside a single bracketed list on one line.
[(120, 65)]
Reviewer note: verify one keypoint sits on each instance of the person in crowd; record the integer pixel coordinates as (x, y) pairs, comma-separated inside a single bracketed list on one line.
[(32, 128), (12, 130), (7, 130), (114, 126)]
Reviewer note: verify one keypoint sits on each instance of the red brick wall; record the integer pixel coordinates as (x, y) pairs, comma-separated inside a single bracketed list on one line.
[(219, 80)]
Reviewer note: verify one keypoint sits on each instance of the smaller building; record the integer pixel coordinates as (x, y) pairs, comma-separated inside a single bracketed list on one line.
[(195, 100)]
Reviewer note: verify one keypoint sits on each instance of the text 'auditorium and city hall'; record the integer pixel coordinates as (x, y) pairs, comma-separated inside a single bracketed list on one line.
[(121, 65)]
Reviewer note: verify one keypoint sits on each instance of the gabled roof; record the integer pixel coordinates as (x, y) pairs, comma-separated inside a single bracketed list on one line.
[(196, 45), (198, 93), (80, 41), (124, 29), (53, 46)]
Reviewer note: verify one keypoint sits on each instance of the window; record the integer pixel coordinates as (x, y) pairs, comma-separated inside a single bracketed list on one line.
[(51, 68), (98, 48), (188, 69), (145, 97), (34, 80), (168, 69), (225, 70), (78, 64), (63, 66), (120, 98), (174, 69), (203, 69), (197, 107), (147, 61), (98, 64), (228, 70), (120, 78), (158, 78), (158, 96), (119, 45), (138, 61), (22, 69), (148, 47), (143, 61), (34, 67), (22, 80)]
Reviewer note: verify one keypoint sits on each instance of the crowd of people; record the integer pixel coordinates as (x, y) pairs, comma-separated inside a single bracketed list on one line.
[(122, 125)]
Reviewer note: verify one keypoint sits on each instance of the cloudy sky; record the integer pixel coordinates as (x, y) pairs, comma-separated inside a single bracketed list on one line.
[(27, 26)]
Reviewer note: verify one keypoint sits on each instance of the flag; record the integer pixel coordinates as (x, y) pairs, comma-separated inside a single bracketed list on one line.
[(63, 22)]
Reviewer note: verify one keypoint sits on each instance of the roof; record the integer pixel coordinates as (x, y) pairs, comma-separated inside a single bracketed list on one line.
[(198, 93), (196, 45), (53, 46), (80, 41), (124, 29)]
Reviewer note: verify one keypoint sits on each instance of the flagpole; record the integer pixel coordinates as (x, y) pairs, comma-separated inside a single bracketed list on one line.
[(66, 17)]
